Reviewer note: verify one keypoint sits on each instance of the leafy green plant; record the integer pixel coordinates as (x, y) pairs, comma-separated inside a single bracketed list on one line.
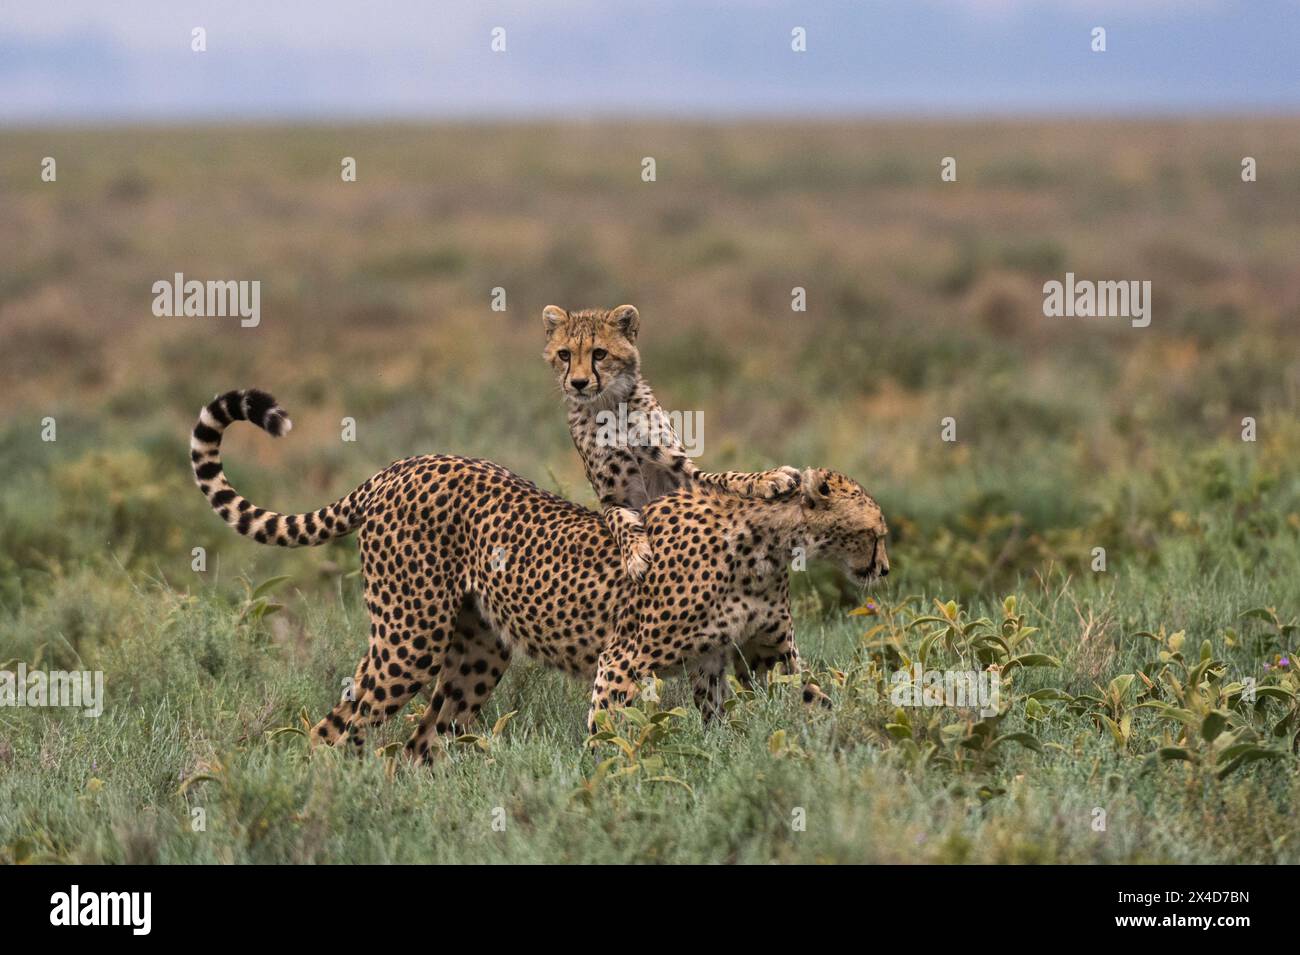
[(959, 739), (485, 742), (640, 738), (1277, 635), (739, 706), (257, 603), (981, 640), (1204, 719)]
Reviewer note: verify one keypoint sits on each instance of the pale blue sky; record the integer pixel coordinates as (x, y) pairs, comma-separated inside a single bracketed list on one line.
[(130, 60)]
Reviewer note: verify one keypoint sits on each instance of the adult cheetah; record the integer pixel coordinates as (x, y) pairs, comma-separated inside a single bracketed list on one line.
[(466, 563)]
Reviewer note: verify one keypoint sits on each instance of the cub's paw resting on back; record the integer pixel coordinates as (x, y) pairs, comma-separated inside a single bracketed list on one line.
[(633, 543), (637, 556), (777, 483)]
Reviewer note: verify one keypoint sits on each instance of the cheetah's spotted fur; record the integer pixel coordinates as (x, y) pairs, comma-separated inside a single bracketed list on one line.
[(446, 611)]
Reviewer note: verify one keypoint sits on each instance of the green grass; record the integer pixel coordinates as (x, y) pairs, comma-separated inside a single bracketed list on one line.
[(196, 690), (196, 695), (924, 302)]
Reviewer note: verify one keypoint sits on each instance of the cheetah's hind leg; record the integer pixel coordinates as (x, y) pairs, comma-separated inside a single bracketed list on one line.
[(330, 730), (401, 660), (476, 660)]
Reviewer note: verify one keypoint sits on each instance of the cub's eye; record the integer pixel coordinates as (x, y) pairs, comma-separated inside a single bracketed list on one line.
[(563, 354), (599, 354), (824, 489)]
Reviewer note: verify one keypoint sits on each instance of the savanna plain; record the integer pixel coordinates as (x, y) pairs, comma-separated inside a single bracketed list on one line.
[(1148, 710)]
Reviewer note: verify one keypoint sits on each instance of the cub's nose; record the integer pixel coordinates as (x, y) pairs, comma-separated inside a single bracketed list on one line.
[(884, 571), (578, 383)]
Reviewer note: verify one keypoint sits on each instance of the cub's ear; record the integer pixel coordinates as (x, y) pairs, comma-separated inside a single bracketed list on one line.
[(627, 320), (552, 317), (814, 486)]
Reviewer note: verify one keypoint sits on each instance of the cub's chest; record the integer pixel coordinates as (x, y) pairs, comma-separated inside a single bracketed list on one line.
[(600, 437), (658, 480)]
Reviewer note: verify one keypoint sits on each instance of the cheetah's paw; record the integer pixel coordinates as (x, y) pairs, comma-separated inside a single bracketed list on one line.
[(780, 483), (637, 559)]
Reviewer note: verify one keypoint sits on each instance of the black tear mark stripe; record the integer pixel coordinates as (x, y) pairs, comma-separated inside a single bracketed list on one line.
[(267, 527)]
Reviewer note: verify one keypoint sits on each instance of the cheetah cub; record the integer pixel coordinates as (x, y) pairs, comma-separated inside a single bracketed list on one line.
[(598, 368)]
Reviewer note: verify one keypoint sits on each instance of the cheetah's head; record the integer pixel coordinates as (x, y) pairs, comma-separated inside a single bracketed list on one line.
[(844, 523), (593, 352)]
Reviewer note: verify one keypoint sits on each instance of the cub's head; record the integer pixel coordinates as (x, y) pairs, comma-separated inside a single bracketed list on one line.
[(593, 352), (844, 523)]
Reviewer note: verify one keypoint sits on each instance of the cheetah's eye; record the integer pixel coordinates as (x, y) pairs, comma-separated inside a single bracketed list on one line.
[(599, 354), (825, 489), (563, 354)]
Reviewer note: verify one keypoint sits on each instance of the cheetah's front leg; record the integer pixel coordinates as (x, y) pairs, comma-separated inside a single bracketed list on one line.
[(633, 544), (620, 671), (766, 485), (773, 645), (707, 684), (668, 456)]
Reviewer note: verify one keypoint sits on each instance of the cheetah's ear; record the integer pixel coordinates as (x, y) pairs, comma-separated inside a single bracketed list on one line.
[(552, 317), (627, 320), (815, 489)]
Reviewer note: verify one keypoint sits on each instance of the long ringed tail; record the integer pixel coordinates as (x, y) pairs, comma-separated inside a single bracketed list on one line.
[(266, 527)]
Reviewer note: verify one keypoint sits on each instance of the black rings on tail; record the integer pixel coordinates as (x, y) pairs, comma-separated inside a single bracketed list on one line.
[(267, 527)]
